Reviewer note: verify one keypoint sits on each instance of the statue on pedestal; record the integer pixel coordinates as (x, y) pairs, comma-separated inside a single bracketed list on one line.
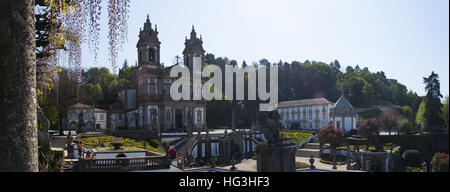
[(311, 162), (275, 156), (273, 128), (70, 147)]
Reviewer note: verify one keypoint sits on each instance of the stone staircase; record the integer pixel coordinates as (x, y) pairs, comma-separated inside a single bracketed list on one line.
[(186, 145), (312, 148)]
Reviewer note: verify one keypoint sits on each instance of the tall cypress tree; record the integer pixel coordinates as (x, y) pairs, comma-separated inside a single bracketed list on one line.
[(433, 105)]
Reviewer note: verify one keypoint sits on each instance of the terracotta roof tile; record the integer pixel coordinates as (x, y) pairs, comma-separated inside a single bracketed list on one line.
[(315, 101), (80, 106)]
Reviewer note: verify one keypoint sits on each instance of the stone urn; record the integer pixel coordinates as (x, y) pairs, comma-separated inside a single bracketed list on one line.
[(311, 162), (213, 162), (233, 163)]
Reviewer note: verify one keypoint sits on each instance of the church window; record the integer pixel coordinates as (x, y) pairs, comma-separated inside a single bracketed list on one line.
[(151, 55), (153, 114), (168, 115), (199, 116), (167, 90), (317, 114)]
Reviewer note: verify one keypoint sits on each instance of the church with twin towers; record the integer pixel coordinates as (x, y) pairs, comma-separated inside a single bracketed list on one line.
[(145, 104)]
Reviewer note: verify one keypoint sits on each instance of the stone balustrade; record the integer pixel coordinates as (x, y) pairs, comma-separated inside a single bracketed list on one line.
[(124, 164)]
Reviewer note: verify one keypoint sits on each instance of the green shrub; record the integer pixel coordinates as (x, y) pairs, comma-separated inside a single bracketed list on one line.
[(301, 165), (440, 162), (412, 158), (328, 159), (49, 161), (165, 145), (331, 162), (397, 160), (154, 143), (421, 143), (412, 169)]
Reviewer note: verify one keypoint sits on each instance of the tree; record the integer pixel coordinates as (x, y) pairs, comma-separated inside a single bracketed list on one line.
[(445, 112), (349, 69), (420, 116), (368, 93), (388, 121), (333, 136), (95, 92), (48, 107), (66, 87), (370, 130), (433, 105), (18, 127), (18, 123)]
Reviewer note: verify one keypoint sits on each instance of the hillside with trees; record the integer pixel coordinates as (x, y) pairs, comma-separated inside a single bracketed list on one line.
[(297, 80), (312, 79)]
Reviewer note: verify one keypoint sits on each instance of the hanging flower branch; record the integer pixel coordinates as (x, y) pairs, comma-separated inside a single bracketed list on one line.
[(118, 22), (75, 24), (93, 10), (75, 21), (50, 38)]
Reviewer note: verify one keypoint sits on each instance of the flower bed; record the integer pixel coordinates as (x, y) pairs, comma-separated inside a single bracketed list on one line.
[(297, 136), (331, 162), (92, 141)]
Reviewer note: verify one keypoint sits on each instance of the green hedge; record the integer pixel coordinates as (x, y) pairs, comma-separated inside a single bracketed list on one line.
[(413, 158), (49, 160), (440, 162), (331, 162), (421, 143)]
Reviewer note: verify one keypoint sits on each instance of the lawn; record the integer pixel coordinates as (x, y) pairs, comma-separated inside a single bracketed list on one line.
[(296, 136), (301, 165), (371, 147), (92, 141)]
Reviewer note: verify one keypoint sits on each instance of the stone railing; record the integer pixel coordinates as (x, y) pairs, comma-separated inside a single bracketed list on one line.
[(124, 164), (303, 143)]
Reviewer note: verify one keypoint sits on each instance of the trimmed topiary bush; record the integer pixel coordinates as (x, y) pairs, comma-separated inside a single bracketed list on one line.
[(172, 152), (399, 163), (412, 158), (165, 145), (154, 143)]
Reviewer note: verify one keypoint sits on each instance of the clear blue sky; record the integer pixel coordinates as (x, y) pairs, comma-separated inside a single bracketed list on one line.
[(407, 39)]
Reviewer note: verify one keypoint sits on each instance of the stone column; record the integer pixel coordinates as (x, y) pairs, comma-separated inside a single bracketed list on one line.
[(162, 111), (251, 143), (233, 120), (352, 127), (145, 120), (199, 149), (343, 123)]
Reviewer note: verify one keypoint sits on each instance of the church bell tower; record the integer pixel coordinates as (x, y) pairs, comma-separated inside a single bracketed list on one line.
[(193, 47), (148, 46)]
